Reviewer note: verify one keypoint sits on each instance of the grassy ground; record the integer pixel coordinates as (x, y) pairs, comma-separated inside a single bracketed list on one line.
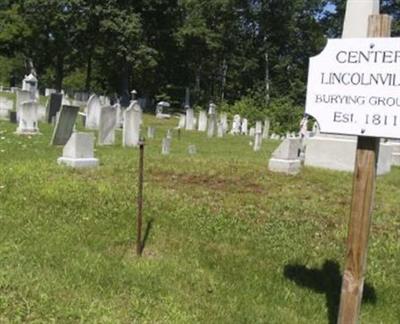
[(227, 241)]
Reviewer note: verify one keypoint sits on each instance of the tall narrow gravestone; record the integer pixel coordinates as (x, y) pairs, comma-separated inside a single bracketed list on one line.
[(182, 121), (28, 120), (224, 121), (267, 125), (54, 106), (212, 120), (108, 123), (244, 126), (189, 118), (93, 112), (64, 125), (131, 128), (202, 121), (258, 136), (78, 152)]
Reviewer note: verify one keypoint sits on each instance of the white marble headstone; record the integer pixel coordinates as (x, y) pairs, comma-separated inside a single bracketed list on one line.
[(93, 112), (108, 123), (236, 124), (78, 152), (132, 121), (190, 119), (28, 121), (202, 121), (244, 128)]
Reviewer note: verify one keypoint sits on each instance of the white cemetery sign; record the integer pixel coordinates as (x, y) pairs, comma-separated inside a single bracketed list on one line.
[(354, 87)]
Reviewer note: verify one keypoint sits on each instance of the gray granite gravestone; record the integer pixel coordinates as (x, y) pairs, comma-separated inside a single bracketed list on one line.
[(285, 158), (54, 106), (64, 125)]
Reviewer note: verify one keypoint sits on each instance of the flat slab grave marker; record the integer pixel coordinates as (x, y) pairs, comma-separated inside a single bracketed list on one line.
[(64, 125)]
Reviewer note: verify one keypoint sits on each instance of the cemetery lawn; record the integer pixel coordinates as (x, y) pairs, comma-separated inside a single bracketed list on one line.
[(226, 241)]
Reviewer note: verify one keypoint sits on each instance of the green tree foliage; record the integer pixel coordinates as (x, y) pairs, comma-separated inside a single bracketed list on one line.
[(251, 51)]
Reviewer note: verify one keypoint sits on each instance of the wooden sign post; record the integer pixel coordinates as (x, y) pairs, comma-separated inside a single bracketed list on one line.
[(361, 207)]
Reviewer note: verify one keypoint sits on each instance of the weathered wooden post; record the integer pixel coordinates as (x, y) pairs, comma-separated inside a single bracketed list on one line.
[(361, 207), (139, 218)]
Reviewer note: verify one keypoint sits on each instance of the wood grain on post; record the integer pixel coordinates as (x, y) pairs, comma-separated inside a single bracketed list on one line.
[(361, 207)]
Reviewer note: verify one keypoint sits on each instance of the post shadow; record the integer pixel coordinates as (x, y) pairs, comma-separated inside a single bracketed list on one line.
[(149, 225), (328, 281)]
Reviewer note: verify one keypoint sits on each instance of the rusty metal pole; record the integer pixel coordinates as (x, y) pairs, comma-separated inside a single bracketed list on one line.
[(139, 218)]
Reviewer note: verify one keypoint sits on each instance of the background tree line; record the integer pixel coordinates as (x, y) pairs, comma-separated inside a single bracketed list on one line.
[(250, 52)]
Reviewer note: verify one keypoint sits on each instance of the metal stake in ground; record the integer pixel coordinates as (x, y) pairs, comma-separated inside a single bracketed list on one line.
[(361, 208), (139, 219)]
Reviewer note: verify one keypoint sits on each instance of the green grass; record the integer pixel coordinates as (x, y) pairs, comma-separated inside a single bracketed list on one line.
[(229, 241)]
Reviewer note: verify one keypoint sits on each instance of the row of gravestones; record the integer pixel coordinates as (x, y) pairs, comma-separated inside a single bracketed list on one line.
[(219, 126)]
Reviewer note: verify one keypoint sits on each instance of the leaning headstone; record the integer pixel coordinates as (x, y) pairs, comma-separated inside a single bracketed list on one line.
[(108, 123), (192, 149), (252, 132), (53, 106), (93, 112), (267, 125), (285, 158), (78, 152), (202, 121), (28, 120), (131, 128), (244, 127), (65, 122), (189, 118)]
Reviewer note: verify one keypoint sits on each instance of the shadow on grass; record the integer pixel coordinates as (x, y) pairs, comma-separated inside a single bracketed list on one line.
[(328, 281), (149, 225)]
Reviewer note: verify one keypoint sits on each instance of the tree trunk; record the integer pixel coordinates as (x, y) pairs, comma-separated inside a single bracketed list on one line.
[(267, 81), (223, 83), (59, 72), (89, 70)]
